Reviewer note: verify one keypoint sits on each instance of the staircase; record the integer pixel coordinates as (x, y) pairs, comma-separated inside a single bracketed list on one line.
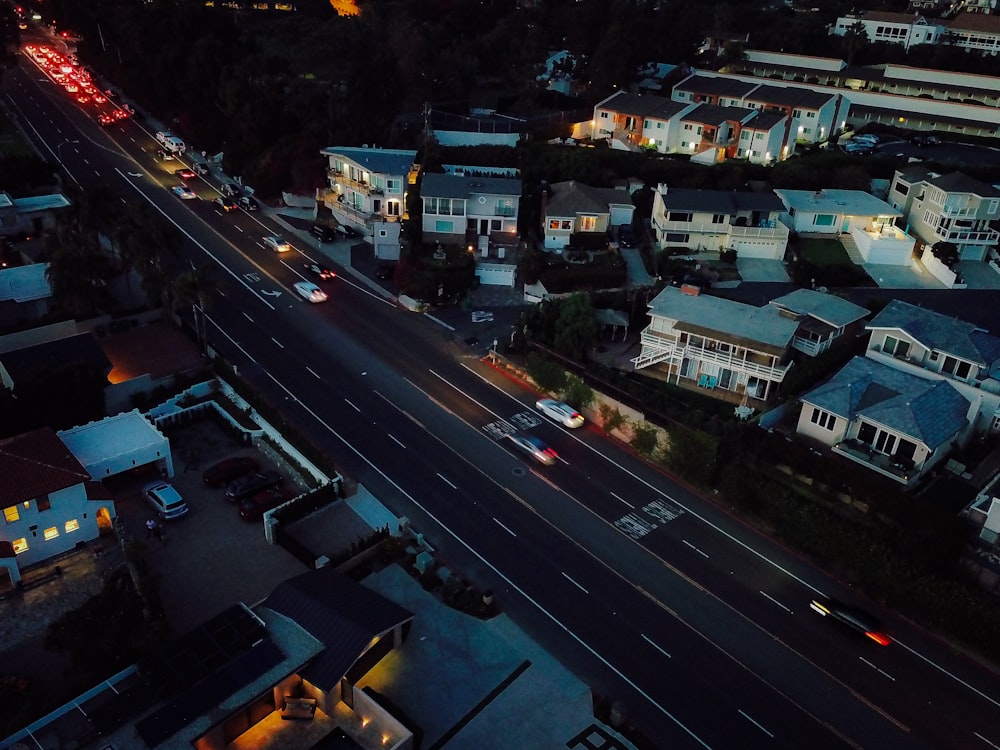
[(852, 249)]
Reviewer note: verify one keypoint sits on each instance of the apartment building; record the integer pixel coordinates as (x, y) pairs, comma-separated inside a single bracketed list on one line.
[(951, 208)]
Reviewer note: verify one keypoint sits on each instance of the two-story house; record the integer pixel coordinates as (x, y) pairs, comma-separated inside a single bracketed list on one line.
[(367, 185), (889, 421), (710, 133), (716, 220), (951, 208), (462, 209), (824, 319), (572, 208), (734, 351), (905, 29), (630, 121), (935, 346), (855, 217), (50, 503)]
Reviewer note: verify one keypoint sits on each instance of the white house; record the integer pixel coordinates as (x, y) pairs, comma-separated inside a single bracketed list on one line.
[(905, 29), (930, 345), (823, 319), (951, 208), (459, 209), (366, 184), (868, 221), (889, 421), (570, 208), (716, 220), (50, 503), (119, 443)]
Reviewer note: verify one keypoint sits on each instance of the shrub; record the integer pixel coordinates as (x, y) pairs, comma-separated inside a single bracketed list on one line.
[(578, 393), (611, 418), (547, 374), (644, 438)]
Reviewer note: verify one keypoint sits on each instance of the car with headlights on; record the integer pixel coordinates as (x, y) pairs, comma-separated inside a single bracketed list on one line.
[(851, 617), (534, 447), (183, 192), (310, 291), (276, 243), (562, 413)]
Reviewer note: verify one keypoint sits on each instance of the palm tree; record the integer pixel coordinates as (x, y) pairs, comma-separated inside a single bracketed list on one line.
[(194, 287)]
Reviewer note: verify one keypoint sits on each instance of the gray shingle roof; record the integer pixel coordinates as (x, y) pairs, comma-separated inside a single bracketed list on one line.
[(789, 96), (936, 331), (375, 160), (340, 613), (715, 85), (719, 201), (437, 185), (763, 325), (713, 114), (956, 182), (931, 412), (642, 105), (571, 198), (829, 308)]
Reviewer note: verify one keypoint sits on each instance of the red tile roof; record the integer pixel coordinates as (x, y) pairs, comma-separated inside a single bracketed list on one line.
[(35, 464)]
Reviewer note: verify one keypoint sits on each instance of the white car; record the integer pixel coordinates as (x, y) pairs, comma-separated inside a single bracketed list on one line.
[(184, 192), (310, 291), (562, 413), (166, 501), (277, 244)]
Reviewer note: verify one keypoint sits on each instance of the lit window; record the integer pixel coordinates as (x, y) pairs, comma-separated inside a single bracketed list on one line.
[(20, 545), (11, 514), (51, 533), (73, 525), (588, 223)]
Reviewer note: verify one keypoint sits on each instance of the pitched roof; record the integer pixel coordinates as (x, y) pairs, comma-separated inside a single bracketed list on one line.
[(765, 120), (941, 332), (975, 22), (35, 464), (931, 412), (83, 348), (720, 201), (762, 328), (789, 96), (572, 198), (715, 85), (437, 185), (713, 114), (340, 613), (829, 308), (376, 160), (956, 182)]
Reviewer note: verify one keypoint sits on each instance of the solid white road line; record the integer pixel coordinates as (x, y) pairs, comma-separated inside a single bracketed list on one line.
[(656, 646), (396, 441), (755, 723), (575, 584), (623, 500), (445, 480), (504, 527)]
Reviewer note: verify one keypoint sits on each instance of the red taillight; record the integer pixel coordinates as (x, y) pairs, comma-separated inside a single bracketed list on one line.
[(879, 638), (552, 453)]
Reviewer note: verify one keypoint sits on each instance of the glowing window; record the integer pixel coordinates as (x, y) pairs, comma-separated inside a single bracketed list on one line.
[(20, 545), (11, 514), (51, 533), (73, 525)]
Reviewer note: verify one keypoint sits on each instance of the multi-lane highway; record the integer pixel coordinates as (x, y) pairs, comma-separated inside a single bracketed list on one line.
[(652, 594)]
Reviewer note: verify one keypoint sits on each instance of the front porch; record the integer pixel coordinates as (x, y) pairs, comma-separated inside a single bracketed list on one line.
[(895, 469)]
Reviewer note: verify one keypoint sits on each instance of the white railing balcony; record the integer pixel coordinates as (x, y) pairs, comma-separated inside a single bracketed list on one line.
[(969, 236), (773, 229), (953, 211)]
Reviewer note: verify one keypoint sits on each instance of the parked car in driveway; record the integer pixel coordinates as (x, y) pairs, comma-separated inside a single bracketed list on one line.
[(323, 232), (255, 506), (166, 502), (250, 484), (229, 469)]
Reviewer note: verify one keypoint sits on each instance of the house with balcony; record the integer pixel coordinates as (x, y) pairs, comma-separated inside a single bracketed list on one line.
[(859, 219), (891, 422), (764, 139), (952, 208), (717, 220), (575, 210), (824, 319), (463, 210), (710, 133), (366, 185), (730, 350), (812, 115), (284, 673), (632, 121), (933, 346), (50, 503)]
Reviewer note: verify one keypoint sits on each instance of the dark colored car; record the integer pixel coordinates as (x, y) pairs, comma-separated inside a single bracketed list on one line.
[(323, 232), (626, 235), (229, 189), (229, 469), (385, 269), (201, 169), (223, 204), (255, 506), (851, 617), (534, 447), (320, 272), (251, 484), (185, 174), (249, 203)]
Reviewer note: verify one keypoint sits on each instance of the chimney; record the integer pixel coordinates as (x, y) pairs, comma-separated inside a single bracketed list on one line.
[(661, 188), (690, 289)]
